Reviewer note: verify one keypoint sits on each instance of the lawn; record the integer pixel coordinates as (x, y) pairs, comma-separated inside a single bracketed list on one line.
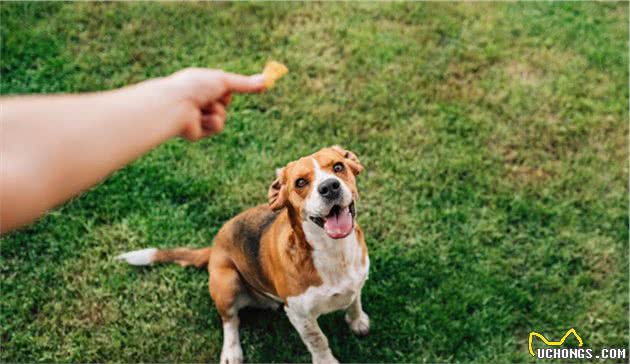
[(494, 201)]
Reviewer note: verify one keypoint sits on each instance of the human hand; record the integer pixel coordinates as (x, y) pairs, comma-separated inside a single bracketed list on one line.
[(202, 96)]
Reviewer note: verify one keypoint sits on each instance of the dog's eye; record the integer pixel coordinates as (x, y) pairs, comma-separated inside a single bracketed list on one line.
[(338, 167), (301, 182)]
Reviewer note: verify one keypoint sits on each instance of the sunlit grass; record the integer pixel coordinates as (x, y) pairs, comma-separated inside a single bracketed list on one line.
[(494, 200)]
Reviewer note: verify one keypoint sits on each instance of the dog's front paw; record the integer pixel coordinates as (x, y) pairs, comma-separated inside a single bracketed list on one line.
[(232, 355), (359, 326)]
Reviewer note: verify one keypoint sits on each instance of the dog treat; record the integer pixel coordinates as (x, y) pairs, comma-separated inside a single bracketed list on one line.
[(273, 71)]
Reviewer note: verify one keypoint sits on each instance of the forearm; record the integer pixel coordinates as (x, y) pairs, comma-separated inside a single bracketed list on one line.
[(54, 147)]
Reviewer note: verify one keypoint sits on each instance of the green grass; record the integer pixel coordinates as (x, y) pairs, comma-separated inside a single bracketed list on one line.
[(495, 199)]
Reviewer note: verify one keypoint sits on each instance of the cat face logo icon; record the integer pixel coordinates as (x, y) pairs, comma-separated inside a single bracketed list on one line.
[(553, 343)]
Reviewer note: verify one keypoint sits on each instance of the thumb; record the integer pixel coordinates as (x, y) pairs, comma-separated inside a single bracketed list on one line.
[(242, 84)]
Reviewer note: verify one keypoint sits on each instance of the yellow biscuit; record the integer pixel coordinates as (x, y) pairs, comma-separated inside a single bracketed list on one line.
[(273, 71)]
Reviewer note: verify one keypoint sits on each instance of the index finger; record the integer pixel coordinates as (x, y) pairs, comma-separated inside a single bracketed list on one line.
[(243, 84)]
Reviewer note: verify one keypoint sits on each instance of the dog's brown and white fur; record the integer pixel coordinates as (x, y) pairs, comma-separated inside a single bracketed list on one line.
[(288, 252)]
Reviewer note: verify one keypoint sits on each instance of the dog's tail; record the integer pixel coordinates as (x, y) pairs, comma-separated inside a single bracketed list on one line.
[(183, 256)]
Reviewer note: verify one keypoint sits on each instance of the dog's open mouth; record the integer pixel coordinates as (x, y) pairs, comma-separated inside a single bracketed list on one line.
[(338, 223)]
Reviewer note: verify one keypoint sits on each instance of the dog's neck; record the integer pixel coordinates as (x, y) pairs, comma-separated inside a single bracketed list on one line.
[(332, 257)]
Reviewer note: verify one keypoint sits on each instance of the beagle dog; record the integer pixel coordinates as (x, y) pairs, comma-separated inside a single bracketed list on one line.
[(304, 250)]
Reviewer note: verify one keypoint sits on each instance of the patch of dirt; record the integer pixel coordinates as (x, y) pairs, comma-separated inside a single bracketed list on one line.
[(528, 174), (523, 73)]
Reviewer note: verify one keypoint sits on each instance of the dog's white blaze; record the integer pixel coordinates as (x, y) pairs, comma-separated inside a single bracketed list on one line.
[(231, 352), (315, 204), (139, 257)]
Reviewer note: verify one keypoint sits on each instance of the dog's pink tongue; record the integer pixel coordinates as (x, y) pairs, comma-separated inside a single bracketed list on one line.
[(339, 225)]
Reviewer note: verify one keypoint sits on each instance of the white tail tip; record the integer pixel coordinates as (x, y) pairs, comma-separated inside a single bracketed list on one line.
[(139, 257)]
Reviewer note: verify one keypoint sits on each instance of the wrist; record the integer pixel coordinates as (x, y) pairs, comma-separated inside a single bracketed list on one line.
[(164, 97)]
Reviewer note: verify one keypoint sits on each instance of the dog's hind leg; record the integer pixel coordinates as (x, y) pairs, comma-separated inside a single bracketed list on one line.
[(229, 295), (231, 353)]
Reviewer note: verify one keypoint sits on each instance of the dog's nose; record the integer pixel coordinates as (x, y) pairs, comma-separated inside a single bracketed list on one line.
[(329, 189)]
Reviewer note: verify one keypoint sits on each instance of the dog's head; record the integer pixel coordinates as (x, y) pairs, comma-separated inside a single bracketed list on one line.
[(320, 188)]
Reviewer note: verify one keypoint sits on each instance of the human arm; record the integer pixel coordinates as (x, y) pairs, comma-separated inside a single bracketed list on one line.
[(54, 147)]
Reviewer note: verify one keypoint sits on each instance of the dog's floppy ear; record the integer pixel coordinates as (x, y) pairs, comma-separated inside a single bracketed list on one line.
[(277, 194), (353, 161)]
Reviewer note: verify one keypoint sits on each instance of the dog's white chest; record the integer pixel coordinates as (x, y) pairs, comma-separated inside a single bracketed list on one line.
[(332, 297), (343, 272)]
